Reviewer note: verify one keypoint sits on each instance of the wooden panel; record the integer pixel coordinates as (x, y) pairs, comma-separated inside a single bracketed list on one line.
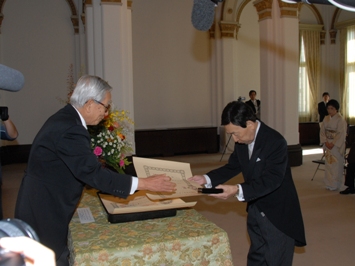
[(168, 142), (350, 139), (309, 133)]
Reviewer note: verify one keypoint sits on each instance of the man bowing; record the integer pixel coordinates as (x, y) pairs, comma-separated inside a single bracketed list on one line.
[(274, 221)]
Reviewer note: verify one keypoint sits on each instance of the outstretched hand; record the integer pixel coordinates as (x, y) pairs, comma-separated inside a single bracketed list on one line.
[(199, 179), (157, 183)]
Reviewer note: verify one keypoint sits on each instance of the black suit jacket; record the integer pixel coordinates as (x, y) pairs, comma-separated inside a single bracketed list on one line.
[(251, 104), (322, 111), (60, 163), (267, 181)]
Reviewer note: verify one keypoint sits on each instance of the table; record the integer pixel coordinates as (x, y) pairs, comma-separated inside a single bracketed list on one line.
[(185, 239)]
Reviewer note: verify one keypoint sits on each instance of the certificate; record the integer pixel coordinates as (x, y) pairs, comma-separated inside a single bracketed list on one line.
[(177, 171)]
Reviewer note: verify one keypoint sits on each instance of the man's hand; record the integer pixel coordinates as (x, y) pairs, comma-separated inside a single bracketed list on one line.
[(158, 183), (200, 179), (228, 191)]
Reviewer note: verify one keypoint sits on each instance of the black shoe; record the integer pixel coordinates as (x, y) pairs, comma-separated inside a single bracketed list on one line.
[(348, 191)]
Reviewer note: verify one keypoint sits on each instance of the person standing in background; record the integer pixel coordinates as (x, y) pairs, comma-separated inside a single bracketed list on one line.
[(322, 107), (332, 137), (254, 103), (8, 132)]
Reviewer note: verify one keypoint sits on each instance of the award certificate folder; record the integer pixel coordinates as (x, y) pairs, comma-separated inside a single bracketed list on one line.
[(178, 172), (144, 205), (139, 202)]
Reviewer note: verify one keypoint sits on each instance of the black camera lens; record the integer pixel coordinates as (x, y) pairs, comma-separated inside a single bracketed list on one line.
[(14, 228)]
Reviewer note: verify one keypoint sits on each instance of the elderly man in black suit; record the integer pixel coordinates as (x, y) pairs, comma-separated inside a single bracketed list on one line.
[(274, 222), (61, 162), (322, 107)]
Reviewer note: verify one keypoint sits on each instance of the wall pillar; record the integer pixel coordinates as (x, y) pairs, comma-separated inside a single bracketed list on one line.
[(109, 45), (279, 60), (227, 92)]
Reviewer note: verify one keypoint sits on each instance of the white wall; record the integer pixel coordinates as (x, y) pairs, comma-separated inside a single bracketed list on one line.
[(36, 39), (171, 66), (247, 56), (171, 62)]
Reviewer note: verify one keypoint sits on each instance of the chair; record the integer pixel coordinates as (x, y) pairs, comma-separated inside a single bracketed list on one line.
[(319, 162), (322, 162)]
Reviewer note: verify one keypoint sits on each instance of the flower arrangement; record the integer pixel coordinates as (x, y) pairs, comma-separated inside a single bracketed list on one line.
[(109, 140)]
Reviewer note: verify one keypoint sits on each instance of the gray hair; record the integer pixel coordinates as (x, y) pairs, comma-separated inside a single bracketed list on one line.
[(89, 88)]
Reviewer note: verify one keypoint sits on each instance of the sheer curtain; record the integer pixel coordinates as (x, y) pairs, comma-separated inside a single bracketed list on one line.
[(309, 75), (347, 39)]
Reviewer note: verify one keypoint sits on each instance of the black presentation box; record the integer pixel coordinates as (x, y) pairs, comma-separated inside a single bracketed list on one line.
[(137, 216)]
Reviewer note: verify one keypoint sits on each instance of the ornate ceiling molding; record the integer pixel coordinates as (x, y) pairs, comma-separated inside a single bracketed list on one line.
[(318, 16), (333, 30), (74, 16)]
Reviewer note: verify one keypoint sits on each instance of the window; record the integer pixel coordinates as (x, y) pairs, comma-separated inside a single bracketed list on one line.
[(350, 74), (303, 91)]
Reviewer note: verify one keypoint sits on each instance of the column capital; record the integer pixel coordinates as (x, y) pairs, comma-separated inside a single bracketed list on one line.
[(333, 36), (112, 1), (263, 7), (212, 31), (75, 22), (288, 10), (322, 36), (229, 29)]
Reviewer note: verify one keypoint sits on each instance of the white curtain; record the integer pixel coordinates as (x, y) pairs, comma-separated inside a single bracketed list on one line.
[(347, 39), (309, 75)]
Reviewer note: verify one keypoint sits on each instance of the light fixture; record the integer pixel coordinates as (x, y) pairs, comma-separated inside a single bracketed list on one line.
[(348, 5), (344, 5)]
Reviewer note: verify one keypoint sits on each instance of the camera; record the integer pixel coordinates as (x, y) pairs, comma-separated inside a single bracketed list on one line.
[(4, 113), (14, 228)]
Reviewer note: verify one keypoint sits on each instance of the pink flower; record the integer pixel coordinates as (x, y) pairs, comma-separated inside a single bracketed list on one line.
[(121, 163), (98, 151)]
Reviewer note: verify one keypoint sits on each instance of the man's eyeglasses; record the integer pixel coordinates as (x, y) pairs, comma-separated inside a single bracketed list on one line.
[(106, 107)]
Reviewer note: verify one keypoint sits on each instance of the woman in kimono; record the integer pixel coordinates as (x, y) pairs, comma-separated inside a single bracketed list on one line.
[(332, 136)]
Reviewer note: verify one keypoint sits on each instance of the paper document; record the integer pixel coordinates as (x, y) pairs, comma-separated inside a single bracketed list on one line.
[(85, 215), (179, 173)]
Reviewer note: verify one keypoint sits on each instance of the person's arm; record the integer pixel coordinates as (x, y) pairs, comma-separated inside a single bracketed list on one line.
[(11, 129), (159, 183)]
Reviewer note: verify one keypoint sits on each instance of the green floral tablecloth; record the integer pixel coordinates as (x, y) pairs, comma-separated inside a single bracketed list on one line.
[(185, 239)]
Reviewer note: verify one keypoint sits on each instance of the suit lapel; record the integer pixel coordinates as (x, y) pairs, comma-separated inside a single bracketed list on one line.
[(258, 145)]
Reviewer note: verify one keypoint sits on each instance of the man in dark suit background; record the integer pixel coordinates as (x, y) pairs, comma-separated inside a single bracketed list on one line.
[(61, 162), (322, 107), (254, 103), (274, 221)]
